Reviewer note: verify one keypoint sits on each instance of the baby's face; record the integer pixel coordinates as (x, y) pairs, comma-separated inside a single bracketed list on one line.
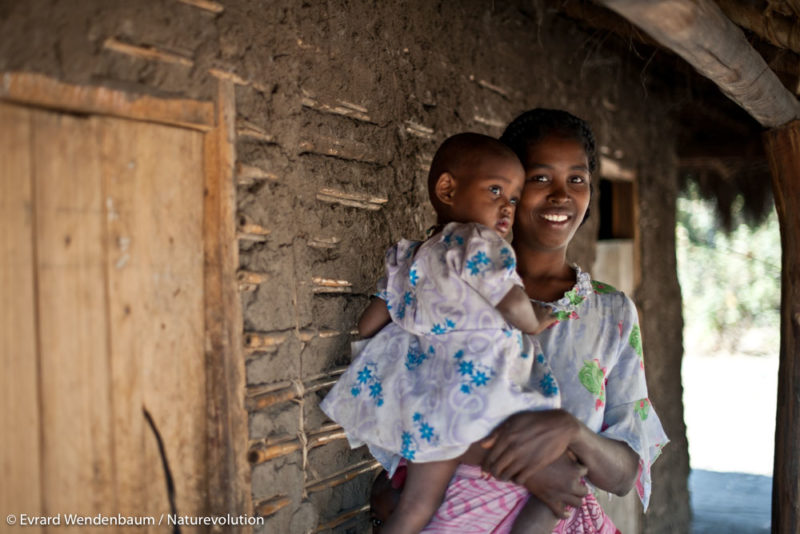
[(488, 193)]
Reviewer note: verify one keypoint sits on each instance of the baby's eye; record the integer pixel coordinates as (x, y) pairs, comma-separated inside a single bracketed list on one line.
[(376, 522), (514, 201), (495, 189)]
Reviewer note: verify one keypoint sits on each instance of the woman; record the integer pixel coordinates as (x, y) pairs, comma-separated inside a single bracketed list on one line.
[(606, 432)]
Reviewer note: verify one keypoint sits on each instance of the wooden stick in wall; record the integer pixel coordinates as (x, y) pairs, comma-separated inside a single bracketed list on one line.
[(270, 506), (148, 52), (343, 476), (207, 5), (342, 518)]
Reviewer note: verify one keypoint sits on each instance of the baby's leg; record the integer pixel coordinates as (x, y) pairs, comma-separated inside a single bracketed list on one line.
[(534, 518), (423, 492)]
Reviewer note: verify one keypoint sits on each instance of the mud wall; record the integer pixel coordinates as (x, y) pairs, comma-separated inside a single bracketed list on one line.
[(340, 106)]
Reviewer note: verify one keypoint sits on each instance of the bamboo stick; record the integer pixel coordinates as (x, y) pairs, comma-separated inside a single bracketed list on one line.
[(255, 341), (492, 87), (328, 285), (342, 518), (419, 130), (319, 439), (324, 242), (424, 161), (342, 108), (248, 130), (261, 454), (266, 400), (250, 231), (494, 123), (263, 451), (207, 5), (270, 506), (340, 148), (341, 477), (145, 52), (355, 200), (250, 174), (250, 280)]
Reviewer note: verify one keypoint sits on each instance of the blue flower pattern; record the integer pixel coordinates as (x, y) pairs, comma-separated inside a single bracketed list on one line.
[(452, 240), (409, 446), (367, 380), (473, 374), (508, 259), (416, 356), (478, 263), (548, 385), (413, 277), (443, 328)]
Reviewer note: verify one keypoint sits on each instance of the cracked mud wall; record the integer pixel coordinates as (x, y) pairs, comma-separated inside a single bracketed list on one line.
[(340, 106)]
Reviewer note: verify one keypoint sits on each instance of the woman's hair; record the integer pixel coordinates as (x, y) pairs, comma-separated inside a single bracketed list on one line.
[(539, 123), (536, 124)]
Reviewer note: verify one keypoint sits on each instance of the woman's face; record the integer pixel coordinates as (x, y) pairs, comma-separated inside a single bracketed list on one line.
[(556, 194)]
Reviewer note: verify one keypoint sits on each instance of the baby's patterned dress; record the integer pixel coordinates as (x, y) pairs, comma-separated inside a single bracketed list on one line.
[(448, 368)]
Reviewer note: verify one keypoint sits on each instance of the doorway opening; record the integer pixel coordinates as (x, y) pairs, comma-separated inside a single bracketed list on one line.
[(730, 283)]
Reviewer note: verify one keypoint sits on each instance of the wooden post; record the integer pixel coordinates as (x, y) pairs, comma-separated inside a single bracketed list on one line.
[(783, 152)]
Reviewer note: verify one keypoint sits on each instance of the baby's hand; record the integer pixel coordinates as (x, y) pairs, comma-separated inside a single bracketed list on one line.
[(544, 314)]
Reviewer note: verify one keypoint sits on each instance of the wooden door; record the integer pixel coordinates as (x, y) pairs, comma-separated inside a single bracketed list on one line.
[(102, 295)]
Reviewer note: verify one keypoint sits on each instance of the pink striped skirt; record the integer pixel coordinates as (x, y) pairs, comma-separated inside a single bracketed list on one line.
[(477, 503)]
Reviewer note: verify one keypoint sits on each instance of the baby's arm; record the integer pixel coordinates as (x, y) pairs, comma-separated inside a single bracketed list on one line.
[(534, 518), (517, 309), (375, 317), (424, 490)]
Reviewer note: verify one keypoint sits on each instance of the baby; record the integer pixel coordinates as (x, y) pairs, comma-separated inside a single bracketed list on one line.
[(452, 364)]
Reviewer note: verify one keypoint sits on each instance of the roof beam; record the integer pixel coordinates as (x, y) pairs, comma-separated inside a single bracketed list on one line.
[(779, 31), (699, 32)]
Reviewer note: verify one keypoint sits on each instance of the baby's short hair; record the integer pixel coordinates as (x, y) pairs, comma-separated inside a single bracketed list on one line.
[(460, 150)]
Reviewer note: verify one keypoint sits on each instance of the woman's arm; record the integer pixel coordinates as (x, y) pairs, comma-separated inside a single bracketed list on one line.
[(527, 441), (612, 464)]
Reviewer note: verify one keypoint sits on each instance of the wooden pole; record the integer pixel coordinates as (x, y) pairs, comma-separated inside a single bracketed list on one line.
[(783, 152), (699, 32), (779, 31)]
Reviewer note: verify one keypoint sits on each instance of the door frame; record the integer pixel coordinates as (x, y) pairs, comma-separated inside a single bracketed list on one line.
[(229, 481)]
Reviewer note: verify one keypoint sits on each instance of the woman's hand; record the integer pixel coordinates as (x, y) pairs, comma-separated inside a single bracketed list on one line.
[(528, 441), (559, 484)]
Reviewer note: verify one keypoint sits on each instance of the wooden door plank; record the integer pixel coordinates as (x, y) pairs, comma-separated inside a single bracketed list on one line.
[(783, 153), (19, 415), (43, 91), (72, 320), (154, 185), (229, 488)]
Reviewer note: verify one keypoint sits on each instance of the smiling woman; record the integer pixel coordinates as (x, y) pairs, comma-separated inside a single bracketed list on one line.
[(606, 429), (557, 192)]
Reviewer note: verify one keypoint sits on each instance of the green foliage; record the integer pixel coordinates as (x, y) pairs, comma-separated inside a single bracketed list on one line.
[(730, 283)]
